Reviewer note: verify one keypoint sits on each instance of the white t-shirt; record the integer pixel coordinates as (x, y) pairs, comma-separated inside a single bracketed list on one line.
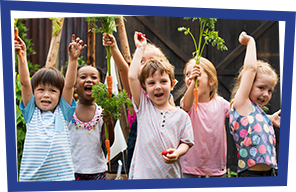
[(87, 153), (158, 130)]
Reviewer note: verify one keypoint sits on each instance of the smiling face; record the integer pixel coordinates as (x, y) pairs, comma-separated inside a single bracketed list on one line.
[(87, 76), (262, 89), (158, 87), (47, 97)]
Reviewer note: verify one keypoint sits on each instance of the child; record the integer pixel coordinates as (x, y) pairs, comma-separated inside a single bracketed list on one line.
[(252, 130), (160, 125), (151, 52), (47, 105), (207, 158), (87, 131)]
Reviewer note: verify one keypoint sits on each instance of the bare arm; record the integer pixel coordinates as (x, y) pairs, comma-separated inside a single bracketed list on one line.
[(109, 40), (175, 153), (110, 126), (133, 74), (241, 99), (74, 50), (188, 99), (24, 74)]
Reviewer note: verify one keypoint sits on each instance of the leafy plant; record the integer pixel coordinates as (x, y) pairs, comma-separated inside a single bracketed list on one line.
[(20, 122), (231, 173), (207, 30), (108, 26), (56, 25), (111, 105)]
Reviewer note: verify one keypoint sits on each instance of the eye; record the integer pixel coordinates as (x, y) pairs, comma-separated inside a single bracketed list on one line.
[(94, 77), (164, 81), (151, 83), (82, 77), (187, 74), (40, 89), (142, 61)]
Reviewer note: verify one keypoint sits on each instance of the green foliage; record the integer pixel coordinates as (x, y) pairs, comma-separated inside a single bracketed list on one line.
[(108, 26), (111, 105), (20, 122), (210, 36), (56, 25), (231, 173), (29, 45)]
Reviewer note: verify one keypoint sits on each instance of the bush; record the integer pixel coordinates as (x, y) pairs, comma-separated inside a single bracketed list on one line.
[(20, 122)]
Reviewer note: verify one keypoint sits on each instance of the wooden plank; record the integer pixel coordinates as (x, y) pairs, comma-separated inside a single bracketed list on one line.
[(41, 40), (54, 47), (171, 45), (123, 40), (240, 48)]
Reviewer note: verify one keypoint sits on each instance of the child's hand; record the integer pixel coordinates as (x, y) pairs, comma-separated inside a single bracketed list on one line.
[(140, 40), (75, 47), (244, 38), (171, 157), (276, 118), (109, 40), (107, 118), (20, 45), (195, 72)]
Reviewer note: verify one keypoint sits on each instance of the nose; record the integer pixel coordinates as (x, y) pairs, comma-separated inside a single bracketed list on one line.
[(88, 79), (46, 94), (157, 87)]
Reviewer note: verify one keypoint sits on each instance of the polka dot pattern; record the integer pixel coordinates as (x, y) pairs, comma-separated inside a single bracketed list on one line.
[(254, 137)]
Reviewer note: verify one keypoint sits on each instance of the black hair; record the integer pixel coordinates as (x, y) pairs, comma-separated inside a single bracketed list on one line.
[(48, 76), (100, 70)]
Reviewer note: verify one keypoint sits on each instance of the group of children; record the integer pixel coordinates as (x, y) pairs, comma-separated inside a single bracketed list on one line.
[(64, 139)]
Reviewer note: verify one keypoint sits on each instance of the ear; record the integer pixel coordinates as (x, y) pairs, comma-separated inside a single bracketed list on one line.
[(211, 82)]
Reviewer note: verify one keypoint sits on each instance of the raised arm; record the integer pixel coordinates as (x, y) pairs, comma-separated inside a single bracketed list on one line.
[(241, 100), (109, 40), (188, 98), (24, 74), (74, 50), (133, 73)]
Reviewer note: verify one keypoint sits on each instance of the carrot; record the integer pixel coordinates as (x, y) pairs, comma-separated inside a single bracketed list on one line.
[(109, 85), (16, 37), (107, 144), (195, 92)]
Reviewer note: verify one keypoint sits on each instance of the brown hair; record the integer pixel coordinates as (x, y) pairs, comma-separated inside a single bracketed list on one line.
[(153, 65), (262, 68), (48, 76), (210, 70)]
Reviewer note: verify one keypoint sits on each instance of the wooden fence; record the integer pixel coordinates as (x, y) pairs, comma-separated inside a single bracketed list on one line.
[(178, 48)]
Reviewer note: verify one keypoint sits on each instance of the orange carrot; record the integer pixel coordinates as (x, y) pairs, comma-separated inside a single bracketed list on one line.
[(107, 144), (16, 37), (195, 92), (109, 85)]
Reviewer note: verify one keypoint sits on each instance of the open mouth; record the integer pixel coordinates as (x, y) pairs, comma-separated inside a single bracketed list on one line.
[(88, 90), (46, 102), (158, 94)]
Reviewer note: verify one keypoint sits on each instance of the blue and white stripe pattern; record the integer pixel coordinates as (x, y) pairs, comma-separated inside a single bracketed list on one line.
[(47, 152)]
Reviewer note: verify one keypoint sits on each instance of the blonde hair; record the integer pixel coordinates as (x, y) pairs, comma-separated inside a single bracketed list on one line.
[(153, 65), (262, 68), (210, 70)]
